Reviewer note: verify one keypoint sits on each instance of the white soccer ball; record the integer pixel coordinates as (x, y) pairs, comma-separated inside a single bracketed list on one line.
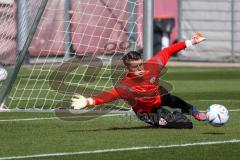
[(3, 74), (217, 115)]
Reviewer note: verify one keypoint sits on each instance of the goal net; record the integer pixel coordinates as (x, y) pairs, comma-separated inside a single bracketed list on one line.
[(76, 49)]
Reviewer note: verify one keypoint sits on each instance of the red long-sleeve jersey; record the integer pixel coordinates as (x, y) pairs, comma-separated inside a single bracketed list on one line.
[(141, 93)]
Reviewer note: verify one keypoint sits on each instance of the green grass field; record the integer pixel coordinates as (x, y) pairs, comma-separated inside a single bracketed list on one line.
[(44, 136)]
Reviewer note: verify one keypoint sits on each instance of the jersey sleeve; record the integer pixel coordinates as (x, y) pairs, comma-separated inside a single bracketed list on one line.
[(163, 55), (107, 96)]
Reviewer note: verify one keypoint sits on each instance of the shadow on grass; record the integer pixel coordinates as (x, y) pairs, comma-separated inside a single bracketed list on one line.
[(213, 133), (112, 129), (123, 128)]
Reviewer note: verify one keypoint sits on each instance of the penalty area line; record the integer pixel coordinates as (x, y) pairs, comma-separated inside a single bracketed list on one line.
[(120, 149)]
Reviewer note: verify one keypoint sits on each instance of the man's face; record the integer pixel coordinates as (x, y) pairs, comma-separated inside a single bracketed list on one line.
[(136, 68)]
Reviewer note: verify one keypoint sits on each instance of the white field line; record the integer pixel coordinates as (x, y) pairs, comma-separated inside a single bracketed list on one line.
[(216, 100), (230, 110), (121, 149), (234, 110)]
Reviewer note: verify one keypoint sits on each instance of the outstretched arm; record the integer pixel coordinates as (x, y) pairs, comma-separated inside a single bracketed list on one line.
[(79, 102), (166, 53), (104, 97)]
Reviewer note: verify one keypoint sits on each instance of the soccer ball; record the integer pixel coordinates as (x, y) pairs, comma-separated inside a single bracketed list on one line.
[(217, 115), (3, 74)]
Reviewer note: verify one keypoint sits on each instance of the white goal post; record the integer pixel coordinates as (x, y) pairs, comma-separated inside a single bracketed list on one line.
[(73, 47)]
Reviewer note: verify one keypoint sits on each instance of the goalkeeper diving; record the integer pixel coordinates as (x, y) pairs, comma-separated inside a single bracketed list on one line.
[(140, 88)]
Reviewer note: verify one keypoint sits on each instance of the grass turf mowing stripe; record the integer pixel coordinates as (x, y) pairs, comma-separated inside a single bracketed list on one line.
[(52, 118), (121, 149)]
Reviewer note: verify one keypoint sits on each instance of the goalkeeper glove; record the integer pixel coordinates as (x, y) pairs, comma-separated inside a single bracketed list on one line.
[(197, 38), (80, 102)]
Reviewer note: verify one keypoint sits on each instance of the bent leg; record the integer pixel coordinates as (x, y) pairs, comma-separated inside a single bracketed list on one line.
[(176, 102)]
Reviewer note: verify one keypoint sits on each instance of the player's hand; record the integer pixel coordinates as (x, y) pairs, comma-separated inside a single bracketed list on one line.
[(197, 38), (79, 102)]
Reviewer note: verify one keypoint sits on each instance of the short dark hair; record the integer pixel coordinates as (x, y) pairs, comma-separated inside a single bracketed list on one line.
[(132, 55)]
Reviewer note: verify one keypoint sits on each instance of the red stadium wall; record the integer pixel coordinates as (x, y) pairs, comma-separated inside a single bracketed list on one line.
[(92, 27), (49, 37), (8, 34)]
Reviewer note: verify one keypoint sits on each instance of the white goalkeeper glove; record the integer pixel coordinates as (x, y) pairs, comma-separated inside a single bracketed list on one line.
[(80, 102), (197, 38)]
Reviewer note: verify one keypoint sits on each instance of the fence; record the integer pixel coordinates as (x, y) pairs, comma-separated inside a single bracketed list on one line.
[(219, 20)]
